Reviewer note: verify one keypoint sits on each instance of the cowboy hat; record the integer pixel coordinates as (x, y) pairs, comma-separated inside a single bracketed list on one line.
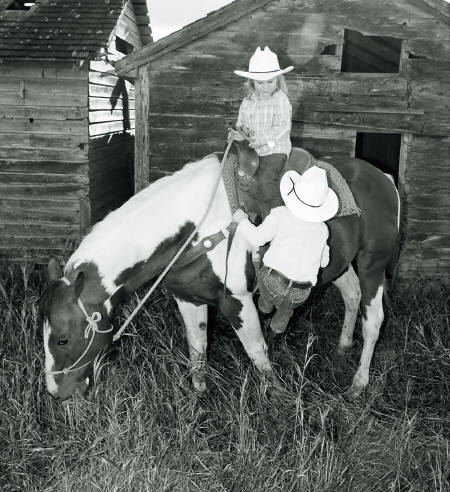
[(263, 65), (308, 196)]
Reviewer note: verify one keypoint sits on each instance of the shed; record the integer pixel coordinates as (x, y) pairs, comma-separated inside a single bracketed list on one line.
[(371, 80), (66, 120)]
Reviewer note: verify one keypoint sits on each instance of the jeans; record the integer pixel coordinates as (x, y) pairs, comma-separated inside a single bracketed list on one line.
[(268, 181), (278, 291)]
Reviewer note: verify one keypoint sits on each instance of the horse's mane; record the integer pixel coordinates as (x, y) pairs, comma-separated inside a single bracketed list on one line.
[(156, 202)]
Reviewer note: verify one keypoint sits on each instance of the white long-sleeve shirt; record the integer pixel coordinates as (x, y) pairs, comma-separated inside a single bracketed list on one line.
[(270, 120), (297, 248)]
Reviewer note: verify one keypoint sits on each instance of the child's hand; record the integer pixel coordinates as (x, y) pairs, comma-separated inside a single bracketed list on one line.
[(235, 135), (239, 216), (254, 142)]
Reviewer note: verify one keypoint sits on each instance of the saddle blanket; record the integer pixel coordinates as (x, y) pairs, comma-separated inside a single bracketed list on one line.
[(300, 160)]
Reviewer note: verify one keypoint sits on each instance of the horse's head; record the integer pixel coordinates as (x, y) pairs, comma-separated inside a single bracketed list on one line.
[(76, 329)]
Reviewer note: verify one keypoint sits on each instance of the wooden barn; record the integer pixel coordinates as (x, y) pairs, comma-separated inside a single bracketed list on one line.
[(66, 120), (371, 79)]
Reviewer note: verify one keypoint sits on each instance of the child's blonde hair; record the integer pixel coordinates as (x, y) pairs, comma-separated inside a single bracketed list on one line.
[(249, 85)]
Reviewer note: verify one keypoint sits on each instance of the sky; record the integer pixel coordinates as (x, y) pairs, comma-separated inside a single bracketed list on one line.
[(167, 16), (170, 15)]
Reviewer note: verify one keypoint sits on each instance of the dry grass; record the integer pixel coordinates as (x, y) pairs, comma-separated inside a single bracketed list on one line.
[(142, 427)]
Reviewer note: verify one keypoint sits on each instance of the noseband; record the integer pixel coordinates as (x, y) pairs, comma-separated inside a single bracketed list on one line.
[(91, 328)]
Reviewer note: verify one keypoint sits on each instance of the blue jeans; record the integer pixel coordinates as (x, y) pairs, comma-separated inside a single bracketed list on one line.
[(278, 291)]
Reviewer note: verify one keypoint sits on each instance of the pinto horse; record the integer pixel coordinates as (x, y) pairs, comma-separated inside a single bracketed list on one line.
[(135, 242)]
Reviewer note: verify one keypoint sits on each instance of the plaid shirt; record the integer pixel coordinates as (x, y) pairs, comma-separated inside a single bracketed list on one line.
[(269, 120)]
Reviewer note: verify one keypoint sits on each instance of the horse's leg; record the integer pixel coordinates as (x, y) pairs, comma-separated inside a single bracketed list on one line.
[(248, 329), (348, 285), (195, 320), (371, 277)]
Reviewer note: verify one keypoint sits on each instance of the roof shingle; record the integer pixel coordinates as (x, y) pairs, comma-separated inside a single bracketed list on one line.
[(58, 29)]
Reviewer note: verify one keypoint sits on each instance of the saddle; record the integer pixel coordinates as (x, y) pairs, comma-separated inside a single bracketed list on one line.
[(240, 176)]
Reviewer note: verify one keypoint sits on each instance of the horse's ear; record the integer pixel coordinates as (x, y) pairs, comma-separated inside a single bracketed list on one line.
[(54, 270), (79, 284)]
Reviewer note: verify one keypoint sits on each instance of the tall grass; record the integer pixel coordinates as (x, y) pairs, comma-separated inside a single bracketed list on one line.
[(142, 428)]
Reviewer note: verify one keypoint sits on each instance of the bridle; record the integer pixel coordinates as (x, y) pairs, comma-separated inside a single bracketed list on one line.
[(91, 328)]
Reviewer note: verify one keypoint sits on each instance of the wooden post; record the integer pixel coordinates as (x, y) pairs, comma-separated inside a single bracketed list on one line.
[(85, 215), (142, 132)]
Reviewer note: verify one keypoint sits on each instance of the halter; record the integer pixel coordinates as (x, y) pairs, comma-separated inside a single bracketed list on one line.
[(91, 328)]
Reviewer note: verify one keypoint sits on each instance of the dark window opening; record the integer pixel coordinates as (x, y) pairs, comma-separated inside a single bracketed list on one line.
[(329, 49), (20, 5), (380, 149), (370, 54), (123, 46)]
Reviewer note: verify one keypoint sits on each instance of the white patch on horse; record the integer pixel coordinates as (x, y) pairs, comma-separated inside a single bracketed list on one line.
[(52, 387), (348, 285), (108, 306), (391, 179), (131, 233), (371, 330)]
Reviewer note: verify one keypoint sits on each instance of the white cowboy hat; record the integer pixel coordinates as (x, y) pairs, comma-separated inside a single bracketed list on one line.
[(308, 196), (263, 65)]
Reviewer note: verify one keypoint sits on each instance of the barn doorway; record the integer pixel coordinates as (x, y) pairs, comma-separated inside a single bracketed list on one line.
[(380, 149)]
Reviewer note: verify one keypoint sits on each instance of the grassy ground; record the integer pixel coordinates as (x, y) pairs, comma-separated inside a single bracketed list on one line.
[(142, 427)]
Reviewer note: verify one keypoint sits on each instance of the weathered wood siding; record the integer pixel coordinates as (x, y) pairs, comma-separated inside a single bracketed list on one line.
[(111, 124), (194, 96), (426, 202), (44, 205)]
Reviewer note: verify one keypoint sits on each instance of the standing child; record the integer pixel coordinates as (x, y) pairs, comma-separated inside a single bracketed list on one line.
[(265, 119), (298, 242)]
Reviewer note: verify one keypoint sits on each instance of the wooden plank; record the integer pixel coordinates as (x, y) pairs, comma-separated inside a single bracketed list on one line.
[(35, 87), (104, 103), (54, 190), (44, 112), (39, 178), (20, 140), (43, 153), (101, 78), (45, 99), (32, 166), (33, 69), (108, 91), (39, 229), (107, 116), (30, 214), (38, 126), (96, 129), (142, 136)]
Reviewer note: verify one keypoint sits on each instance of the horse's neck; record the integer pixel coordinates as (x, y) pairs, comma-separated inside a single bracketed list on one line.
[(137, 241)]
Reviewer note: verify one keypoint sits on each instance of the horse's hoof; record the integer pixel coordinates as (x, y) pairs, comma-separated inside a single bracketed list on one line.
[(354, 392), (199, 384)]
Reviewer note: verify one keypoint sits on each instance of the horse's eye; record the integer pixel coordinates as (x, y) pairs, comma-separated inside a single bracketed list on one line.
[(63, 341)]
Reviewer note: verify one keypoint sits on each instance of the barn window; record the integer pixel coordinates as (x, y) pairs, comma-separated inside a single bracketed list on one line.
[(370, 54), (380, 149), (20, 5), (123, 46), (329, 49)]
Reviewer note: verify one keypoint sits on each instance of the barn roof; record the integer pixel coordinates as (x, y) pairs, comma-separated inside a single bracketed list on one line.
[(228, 14), (60, 29)]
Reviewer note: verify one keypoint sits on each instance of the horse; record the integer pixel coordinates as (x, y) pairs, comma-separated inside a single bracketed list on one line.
[(134, 243)]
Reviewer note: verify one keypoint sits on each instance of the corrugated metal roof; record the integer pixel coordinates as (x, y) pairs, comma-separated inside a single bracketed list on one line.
[(58, 29)]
